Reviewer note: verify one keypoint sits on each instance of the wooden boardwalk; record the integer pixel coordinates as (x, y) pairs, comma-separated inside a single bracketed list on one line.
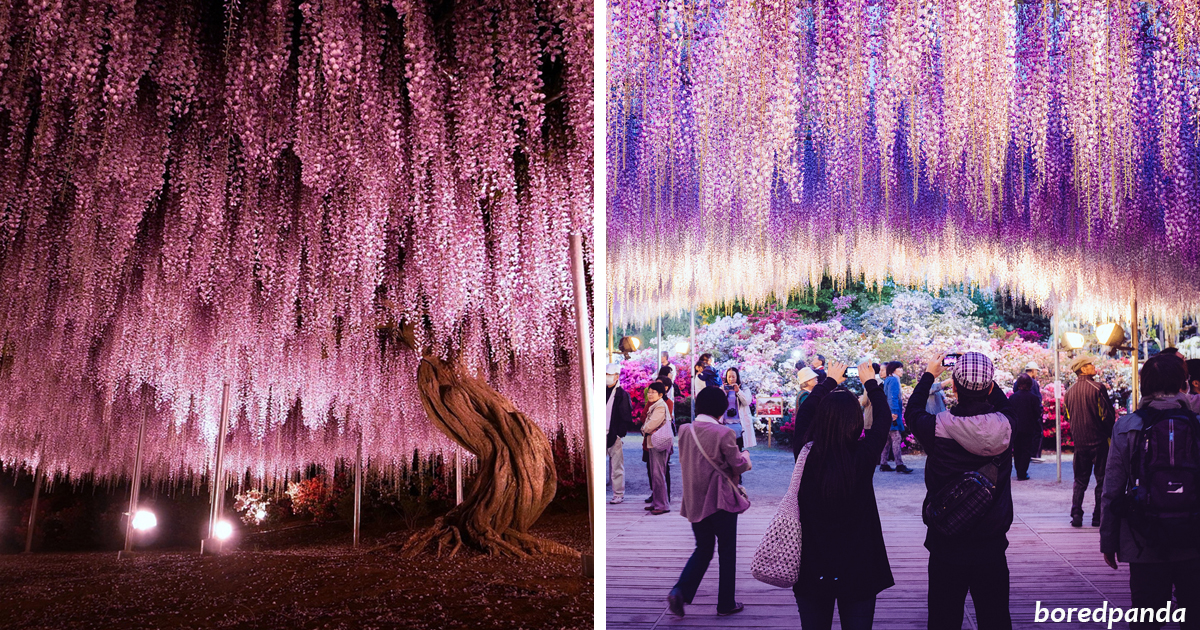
[(1048, 561)]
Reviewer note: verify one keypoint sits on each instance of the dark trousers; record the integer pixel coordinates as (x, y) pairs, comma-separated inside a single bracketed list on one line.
[(816, 610), (650, 474), (1088, 459), (1022, 452), (720, 530), (1150, 587), (949, 584)]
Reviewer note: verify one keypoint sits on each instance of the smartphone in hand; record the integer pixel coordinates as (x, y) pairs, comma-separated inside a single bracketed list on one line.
[(950, 360)]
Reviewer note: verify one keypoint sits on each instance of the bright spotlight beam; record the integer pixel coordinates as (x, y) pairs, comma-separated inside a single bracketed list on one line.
[(222, 530), (144, 520)]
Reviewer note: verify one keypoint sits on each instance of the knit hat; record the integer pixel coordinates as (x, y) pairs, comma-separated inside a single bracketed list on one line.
[(613, 368), (974, 371), (1078, 362), (806, 374)]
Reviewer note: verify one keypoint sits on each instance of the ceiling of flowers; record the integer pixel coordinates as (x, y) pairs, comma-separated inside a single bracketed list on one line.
[(263, 193), (1049, 148)]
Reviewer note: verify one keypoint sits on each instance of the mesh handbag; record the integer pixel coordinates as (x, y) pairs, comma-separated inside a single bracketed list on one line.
[(777, 559)]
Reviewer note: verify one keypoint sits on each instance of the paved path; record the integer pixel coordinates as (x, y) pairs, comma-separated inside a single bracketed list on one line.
[(1049, 560)]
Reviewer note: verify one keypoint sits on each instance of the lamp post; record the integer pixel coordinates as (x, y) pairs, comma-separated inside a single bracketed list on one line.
[(692, 358), (358, 487), (136, 483), (1057, 400), (214, 542)]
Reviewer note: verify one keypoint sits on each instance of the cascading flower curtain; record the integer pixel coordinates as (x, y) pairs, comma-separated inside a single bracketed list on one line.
[(1049, 148), (265, 193)]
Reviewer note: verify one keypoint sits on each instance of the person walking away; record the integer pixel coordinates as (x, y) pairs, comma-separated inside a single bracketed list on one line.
[(737, 416), (657, 440), (973, 436), (710, 460), (1027, 419), (1142, 527), (619, 418), (891, 387), (1033, 370), (1091, 415), (843, 559)]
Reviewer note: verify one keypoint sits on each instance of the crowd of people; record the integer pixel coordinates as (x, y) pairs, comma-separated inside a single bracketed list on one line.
[(1146, 466)]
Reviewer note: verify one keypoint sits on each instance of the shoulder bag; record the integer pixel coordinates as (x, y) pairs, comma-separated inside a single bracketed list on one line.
[(736, 487), (777, 559)]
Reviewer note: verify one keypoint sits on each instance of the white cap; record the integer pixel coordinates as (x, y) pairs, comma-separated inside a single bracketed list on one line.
[(806, 374), (613, 368), (1032, 365)]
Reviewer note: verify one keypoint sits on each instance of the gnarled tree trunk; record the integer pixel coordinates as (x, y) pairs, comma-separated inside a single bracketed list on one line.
[(516, 479)]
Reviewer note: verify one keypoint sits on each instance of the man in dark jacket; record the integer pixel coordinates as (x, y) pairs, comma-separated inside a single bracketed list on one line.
[(1092, 416), (619, 416), (976, 432), (1027, 421), (1155, 567)]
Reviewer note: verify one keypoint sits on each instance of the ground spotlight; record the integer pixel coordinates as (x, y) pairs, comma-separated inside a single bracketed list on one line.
[(222, 530), (628, 344), (1110, 334), (144, 520)]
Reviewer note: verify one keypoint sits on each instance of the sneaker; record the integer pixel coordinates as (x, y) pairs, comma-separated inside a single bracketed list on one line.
[(675, 604), (735, 610), (1077, 521), (1095, 520), (885, 468), (1037, 460), (903, 469), (616, 500)]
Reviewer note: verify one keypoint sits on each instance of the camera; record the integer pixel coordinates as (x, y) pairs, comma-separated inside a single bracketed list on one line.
[(950, 360), (852, 372)]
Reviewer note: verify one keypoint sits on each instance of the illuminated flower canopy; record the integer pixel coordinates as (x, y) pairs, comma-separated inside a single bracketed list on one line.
[(1046, 147), (267, 192)]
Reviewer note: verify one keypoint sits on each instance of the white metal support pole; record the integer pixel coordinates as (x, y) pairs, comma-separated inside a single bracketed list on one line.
[(358, 488), (585, 372), (658, 359), (37, 491), (135, 483), (692, 357), (458, 476), (211, 544), (1135, 325), (1057, 399)]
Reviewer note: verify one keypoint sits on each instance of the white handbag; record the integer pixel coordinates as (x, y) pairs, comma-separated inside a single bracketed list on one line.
[(777, 559)]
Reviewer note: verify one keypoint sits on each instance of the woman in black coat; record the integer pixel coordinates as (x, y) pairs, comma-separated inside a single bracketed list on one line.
[(842, 555), (1026, 419)]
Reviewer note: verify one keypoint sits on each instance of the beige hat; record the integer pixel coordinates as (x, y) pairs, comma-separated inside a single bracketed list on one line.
[(1032, 365), (806, 374), (1078, 362)]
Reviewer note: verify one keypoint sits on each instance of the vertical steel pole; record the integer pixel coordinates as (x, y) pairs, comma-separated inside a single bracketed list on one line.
[(1057, 398), (358, 487), (37, 491), (136, 483), (585, 364), (1135, 324), (692, 358), (218, 478)]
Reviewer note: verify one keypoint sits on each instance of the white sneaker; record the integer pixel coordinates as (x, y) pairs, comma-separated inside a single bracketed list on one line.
[(616, 500)]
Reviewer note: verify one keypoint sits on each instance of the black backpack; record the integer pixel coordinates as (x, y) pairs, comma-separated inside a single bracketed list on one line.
[(1162, 498)]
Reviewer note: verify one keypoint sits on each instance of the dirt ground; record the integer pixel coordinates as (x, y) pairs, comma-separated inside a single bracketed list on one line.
[(307, 578)]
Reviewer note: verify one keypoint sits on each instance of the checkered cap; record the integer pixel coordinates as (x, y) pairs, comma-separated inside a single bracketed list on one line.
[(974, 371)]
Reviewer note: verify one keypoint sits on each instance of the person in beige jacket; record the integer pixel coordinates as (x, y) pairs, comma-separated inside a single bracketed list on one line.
[(658, 442)]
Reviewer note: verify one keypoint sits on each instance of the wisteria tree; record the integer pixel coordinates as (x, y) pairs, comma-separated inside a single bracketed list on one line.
[(260, 193)]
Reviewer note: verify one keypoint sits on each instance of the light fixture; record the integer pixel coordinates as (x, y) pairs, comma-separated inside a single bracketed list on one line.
[(628, 344), (144, 520), (1073, 340), (1110, 334), (682, 347), (222, 530)]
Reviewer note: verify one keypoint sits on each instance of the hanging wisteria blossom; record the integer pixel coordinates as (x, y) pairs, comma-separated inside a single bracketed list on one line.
[(1047, 148), (269, 193)]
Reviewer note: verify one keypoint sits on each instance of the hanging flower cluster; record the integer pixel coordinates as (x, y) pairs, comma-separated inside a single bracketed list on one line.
[(271, 194), (1050, 148)]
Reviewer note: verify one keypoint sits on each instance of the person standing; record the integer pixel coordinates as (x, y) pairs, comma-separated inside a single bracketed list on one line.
[(618, 413), (973, 436), (937, 399), (1092, 417), (737, 416), (710, 460), (1167, 561), (1193, 368), (1032, 369), (818, 366), (657, 438), (698, 383), (808, 380), (891, 387), (664, 361), (1027, 419), (843, 559)]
